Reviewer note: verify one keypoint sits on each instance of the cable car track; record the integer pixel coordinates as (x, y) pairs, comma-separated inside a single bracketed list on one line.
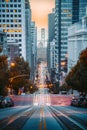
[(17, 120), (67, 122)]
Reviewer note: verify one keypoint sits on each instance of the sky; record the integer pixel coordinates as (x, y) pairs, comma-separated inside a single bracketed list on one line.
[(40, 10)]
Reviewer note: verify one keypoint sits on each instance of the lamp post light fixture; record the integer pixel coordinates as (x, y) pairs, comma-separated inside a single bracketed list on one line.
[(12, 64)]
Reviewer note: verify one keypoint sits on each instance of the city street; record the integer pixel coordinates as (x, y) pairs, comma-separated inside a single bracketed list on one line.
[(43, 64), (43, 111)]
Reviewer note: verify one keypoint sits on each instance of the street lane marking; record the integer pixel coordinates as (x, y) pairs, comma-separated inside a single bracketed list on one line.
[(45, 124), (42, 124)]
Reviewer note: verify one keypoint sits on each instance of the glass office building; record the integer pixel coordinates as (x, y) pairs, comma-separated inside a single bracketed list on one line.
[(14, 15), (67, 12)]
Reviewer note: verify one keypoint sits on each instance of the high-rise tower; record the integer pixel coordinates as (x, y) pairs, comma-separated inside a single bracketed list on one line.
[(66, 13), (15, 18), (43, 36)]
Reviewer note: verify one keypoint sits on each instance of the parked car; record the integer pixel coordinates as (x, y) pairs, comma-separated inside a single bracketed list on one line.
[(74, 101), (8, 102), (2, 101), (84, 103), (80, 101), (63, 92)]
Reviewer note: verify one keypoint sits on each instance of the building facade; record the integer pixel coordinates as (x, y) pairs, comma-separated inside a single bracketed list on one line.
[(63, 19), (3, 43), (15, 21), (28, 32), (50, 45), (77, 41), (34, 49), (13, 51), (66, 13)]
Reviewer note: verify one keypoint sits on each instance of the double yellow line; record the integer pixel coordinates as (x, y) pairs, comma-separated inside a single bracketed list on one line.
[(42, 123)]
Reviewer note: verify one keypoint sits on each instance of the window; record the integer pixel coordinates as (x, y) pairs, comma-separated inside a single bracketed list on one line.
[(15, 15), (15, 35), (15, 10), (19, 10), (3, 15), (8, 35), (8, 25), (11, 20), (3, 20), (7, 10), (19, 35), (11, 5), (2, 39), (15, 5), (3, 5), (19, 15), (19, 45), (19, 5), (7, 20), (12, 35), (19, 20), (7, 5), (19, 25), (11, 15), (15, 20), (11, 25), (19, 40), (15, 25), (11, 10), (7, 15), (3, 10)]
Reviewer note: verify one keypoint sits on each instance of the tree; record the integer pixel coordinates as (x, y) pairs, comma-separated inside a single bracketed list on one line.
[(19, 67), (83, 70), (77, 77), (3, 73)]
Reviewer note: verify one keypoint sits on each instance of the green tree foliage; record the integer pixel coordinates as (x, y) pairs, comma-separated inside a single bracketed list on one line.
[(77, 77), (30, 86), (83, 70), (3, 73), (19, 67)]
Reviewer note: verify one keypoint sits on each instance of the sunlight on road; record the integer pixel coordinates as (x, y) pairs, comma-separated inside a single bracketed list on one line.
[(42, 100), (42, 97)]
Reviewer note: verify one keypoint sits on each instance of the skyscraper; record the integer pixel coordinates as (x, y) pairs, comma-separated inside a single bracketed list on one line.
[(78, 10), (43, 36), (66, 13), (50, 45), (15, 20), (63, 18), (34, 49)]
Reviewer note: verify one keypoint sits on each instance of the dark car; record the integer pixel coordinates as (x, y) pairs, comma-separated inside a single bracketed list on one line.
[(8, 102), (80, 101), (63, 92), (84, 103), (74, 101), (2, 101)]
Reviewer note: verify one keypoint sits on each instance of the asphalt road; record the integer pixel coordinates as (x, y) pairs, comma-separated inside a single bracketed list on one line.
[(43, 111)]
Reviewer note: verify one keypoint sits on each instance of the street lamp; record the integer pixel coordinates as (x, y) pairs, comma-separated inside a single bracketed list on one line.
[(12, 64)]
